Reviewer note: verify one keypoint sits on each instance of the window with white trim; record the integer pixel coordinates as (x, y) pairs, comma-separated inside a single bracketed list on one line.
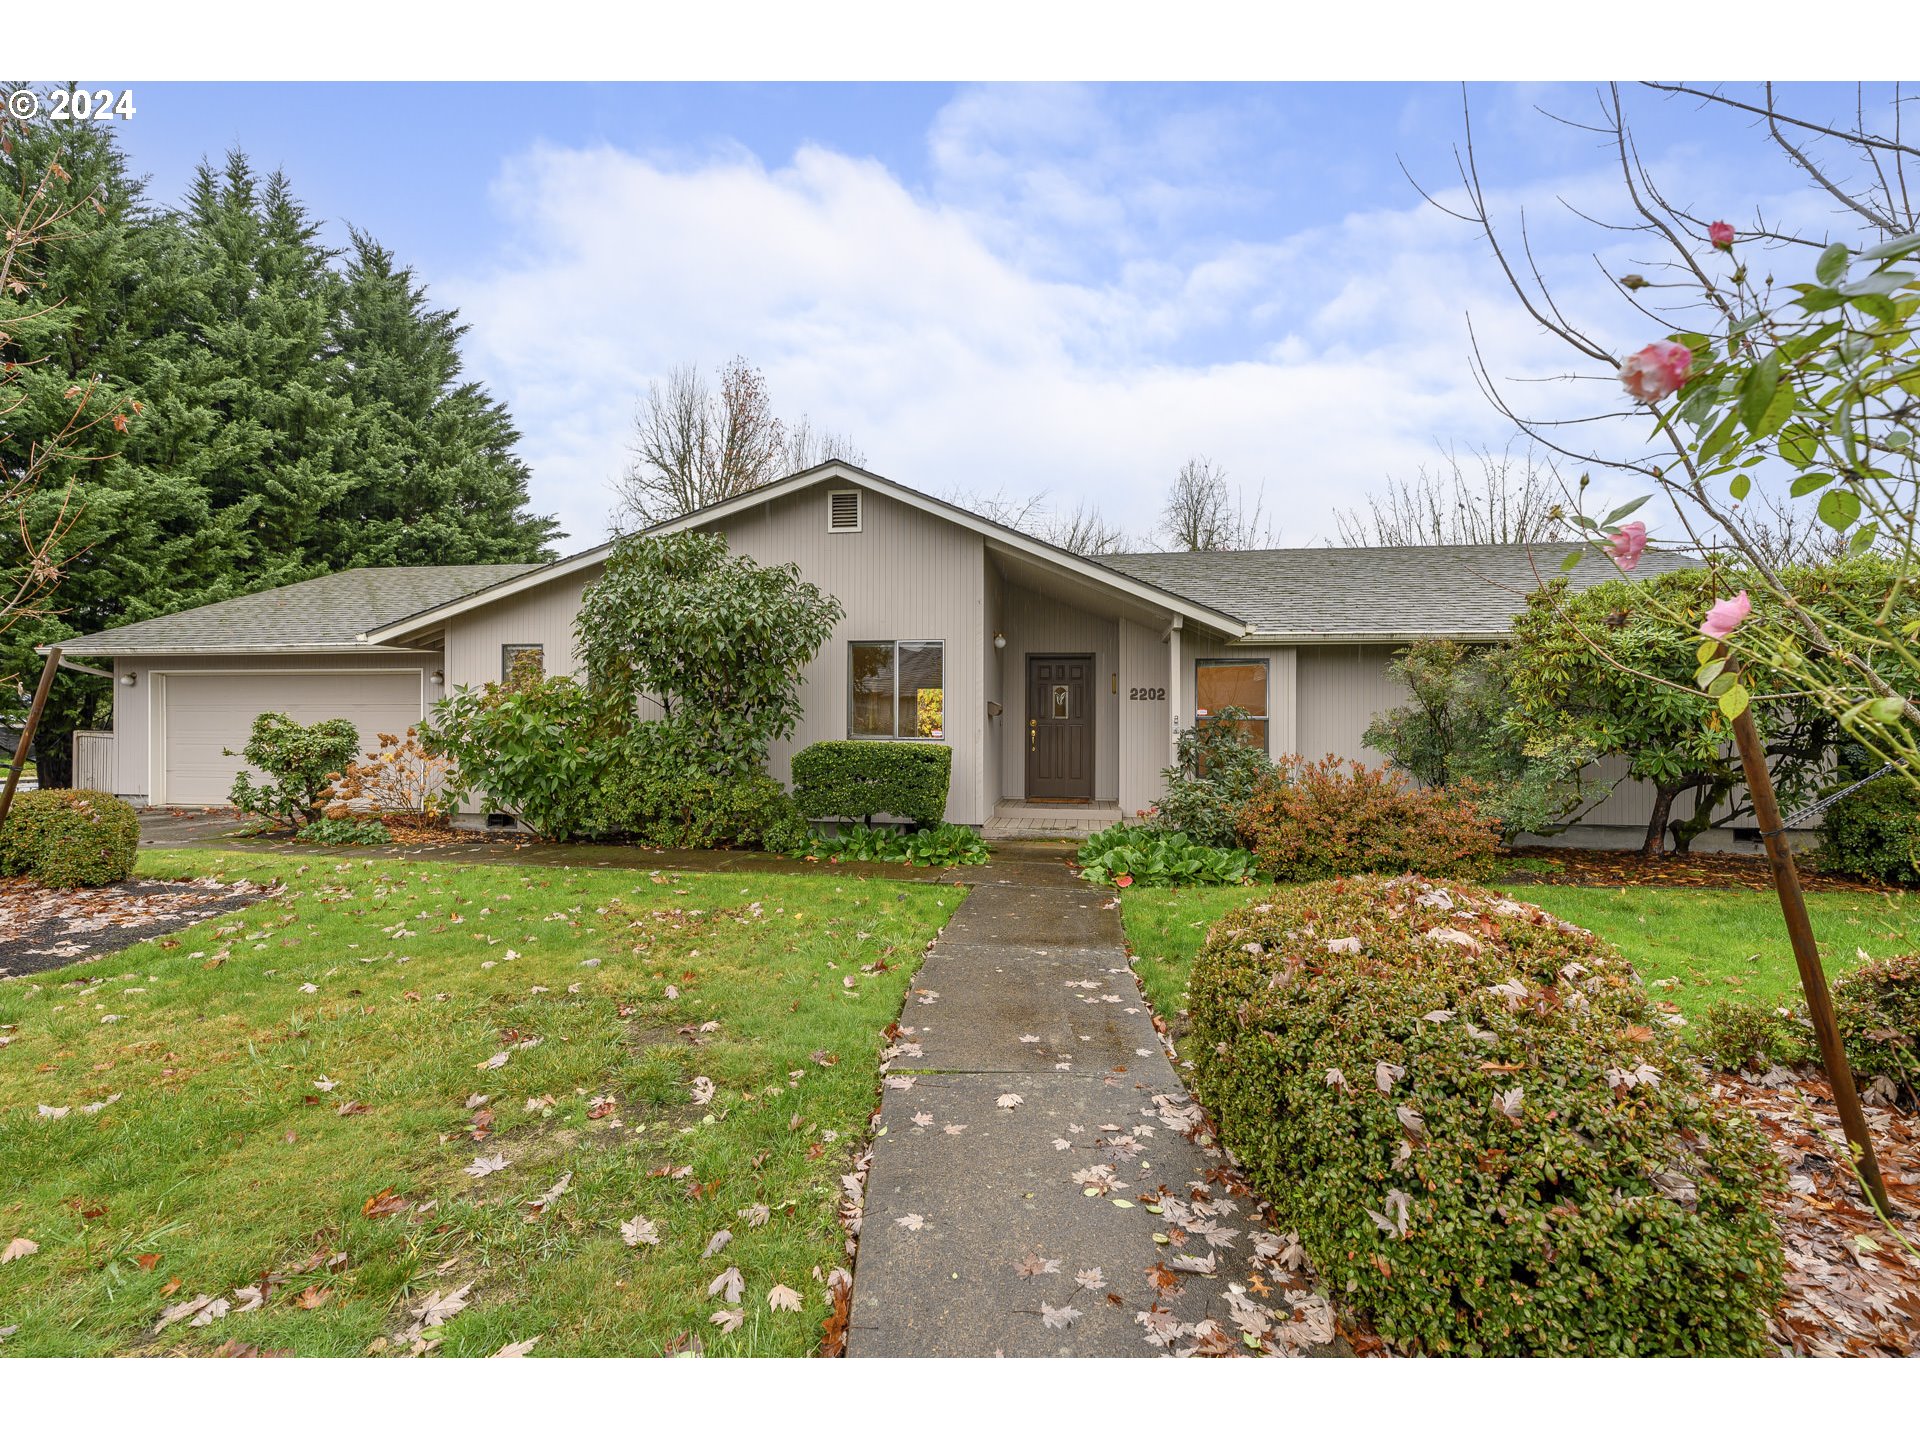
[(897, 690), (511, 653)]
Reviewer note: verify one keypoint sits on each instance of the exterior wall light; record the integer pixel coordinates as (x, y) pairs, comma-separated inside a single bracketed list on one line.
[(130, 678), (999, 641)]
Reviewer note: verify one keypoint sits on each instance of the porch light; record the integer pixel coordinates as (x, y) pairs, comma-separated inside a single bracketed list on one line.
[(999, 641), (129, 678)]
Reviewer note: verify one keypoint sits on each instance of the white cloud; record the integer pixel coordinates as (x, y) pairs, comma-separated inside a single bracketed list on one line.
[(951, 347)]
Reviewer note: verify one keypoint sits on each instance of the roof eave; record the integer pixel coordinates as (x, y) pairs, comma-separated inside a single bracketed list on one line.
[(163, 651), (1367, 637), (1230, 625)]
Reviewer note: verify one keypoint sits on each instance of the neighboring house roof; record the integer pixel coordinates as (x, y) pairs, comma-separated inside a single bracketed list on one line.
[(327, 613), (1005, 536), (1388, 593)]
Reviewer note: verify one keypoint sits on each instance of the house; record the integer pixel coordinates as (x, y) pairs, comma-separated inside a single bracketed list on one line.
[(1061, 683)]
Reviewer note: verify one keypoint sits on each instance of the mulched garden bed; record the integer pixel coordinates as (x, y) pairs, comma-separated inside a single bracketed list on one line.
[(1853, 1287), (43, 928), (1553, 865)]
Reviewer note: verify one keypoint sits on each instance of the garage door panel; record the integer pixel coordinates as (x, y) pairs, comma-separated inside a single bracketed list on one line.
[(207, 715)]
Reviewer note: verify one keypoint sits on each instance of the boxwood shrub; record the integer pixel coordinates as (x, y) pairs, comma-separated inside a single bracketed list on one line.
[(861, 779), (1485, 1136), (69, 837), (1878, 1010)]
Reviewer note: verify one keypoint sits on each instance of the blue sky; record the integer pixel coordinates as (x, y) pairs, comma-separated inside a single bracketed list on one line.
[(1013, 289)]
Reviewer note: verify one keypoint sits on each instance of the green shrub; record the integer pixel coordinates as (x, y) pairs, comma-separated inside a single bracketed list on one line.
[(1878, 1010), (1874, 833), (1476, 1121), (941, 846), (1218, 772), (301, 762), (538, 747), (861, 779), (655, 791), (69, 837), (345, 832), (1126, 854), (1312, 821), (1745, 1034)]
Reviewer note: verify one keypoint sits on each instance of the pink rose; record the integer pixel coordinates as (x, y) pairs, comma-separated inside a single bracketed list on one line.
[(1721, 234), (1725, 617), (1656, 371), (1628, 541)]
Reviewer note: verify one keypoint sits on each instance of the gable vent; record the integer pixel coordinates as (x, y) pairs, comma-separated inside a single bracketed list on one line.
[(843, 511)]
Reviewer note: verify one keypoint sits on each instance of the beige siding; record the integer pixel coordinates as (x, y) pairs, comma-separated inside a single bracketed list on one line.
[(905, 575), (1146, 727), (1341, 689), (542, 616), (994, 678), (1039, 625), (138, 708)]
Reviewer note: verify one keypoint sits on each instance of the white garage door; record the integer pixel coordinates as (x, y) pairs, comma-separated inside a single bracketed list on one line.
[(208, 714)]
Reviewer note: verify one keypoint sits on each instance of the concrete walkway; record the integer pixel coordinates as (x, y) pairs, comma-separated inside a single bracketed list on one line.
[(1031, 1118)]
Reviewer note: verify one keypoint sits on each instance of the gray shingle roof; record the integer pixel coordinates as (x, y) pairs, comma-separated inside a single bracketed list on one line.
[(325, 613), (1390, 591)]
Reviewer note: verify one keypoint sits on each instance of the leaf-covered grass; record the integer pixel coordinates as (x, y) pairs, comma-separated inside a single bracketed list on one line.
[(1718, 944), (224, 1160)]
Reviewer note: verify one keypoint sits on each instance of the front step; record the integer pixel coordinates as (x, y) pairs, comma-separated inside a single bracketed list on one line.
[(1022, 820)]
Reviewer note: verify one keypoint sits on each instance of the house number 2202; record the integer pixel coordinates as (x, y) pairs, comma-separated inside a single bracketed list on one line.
[(1147, 692)]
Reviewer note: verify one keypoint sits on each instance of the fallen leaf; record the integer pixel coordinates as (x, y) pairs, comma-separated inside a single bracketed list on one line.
[(18, 1248), (639, 1231), (1059, 1319), (1008, 1101), (716, 1244), (312, 1298), (728, 1320), (783, 1298), (730, 1281), (911, 1221), (516, 1350), (486, 1165)]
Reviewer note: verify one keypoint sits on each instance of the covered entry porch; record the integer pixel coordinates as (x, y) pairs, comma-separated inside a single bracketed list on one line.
[(1089, 683)]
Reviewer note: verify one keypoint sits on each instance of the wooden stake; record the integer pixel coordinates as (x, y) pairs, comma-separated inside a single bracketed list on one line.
[(1806, 955), (26, 734)]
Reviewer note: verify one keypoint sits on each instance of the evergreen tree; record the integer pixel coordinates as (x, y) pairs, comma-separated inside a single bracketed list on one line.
[(296, 415), (430, 464)]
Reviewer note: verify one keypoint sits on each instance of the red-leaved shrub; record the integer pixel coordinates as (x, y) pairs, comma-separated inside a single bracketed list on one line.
[(1312, 820)]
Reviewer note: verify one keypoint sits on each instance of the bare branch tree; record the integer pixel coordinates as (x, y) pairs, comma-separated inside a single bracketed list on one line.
[(695, 445), (808, 447), (1083, 529), (1204, 513), (1513, 501)]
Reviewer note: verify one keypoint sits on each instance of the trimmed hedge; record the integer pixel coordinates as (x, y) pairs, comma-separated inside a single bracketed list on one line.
[(1483, 1133), (859, 779), (69, 837), (1878, 1010), (1874, 833)]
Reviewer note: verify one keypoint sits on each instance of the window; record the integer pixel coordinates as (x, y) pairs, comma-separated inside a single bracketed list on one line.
[(1237, 684), (511, 653), (898, 690), (843, 510)]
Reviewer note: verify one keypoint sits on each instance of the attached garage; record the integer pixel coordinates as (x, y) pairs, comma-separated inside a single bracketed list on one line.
[(199, 716)]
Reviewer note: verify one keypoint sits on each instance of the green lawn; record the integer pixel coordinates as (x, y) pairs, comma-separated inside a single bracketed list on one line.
[(226, 1156), (1716, 943)]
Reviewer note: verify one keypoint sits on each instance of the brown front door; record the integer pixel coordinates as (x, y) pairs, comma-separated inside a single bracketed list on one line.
[(1060, 727)]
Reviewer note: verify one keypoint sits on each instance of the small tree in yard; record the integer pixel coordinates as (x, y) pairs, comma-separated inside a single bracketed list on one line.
[(717, 640), (301, 761), (1456, 727), (1608, 671)]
